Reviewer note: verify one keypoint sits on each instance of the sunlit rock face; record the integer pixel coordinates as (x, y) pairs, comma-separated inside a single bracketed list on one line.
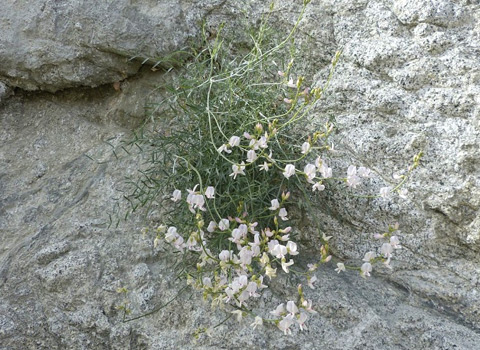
[(408, 81)]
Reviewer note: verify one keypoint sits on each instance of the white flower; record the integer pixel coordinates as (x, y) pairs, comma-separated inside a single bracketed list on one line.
[(224, 224), (403, 193), (224, 148), (275, 204), (292, 248), (310, 171), (366, 269), (285, 265), (318, 187), (262, 142), (385, 191), (291, 307), (225, 255), (311, 281), (258, 322), (289, 170), (238, 170), (279, 311), (395, 242), (307, 305), (364, 172), (234, 141), (251, 156), (284, 325), (386, 250), (340, 267), (369, 256), (279, 251), (264, 260), (171, 234), (301, 320), (176, 196), (306, 147), (264, 166), (291, 84), (270, 272), (352, 179), (283, 214), (210, 192), (239, 314), (197, 202), (212, 226)]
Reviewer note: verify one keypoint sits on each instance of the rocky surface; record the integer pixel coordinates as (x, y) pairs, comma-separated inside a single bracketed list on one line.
[(408, 81)]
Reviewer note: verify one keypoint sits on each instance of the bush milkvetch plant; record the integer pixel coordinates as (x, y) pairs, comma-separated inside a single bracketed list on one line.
[(233, 158)]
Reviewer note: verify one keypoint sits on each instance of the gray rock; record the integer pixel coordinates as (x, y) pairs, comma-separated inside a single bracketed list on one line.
[(51, 46)]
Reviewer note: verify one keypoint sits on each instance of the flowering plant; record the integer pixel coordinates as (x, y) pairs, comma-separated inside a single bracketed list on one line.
[(234, 155)]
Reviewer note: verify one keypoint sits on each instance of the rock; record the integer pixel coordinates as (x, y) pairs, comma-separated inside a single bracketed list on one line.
[(53, 46), (408, 81)]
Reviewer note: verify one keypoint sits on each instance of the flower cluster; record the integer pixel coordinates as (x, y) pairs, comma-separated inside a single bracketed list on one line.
[(229, 207)]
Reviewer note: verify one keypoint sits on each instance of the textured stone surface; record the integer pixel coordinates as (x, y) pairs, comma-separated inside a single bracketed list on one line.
[(52, 45), (408, 81)]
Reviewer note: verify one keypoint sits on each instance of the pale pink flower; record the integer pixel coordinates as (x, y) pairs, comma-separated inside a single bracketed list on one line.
[(285, 323), (225, 255), (238, 170), (279, 251), (289, 170), (212, 226), (258, 322), (264, 166), (234, 141), (279, 311), (275, 204), (307, 305), (224, 224), (287, 100), (251, 156), (364, 172), (306, 147), (386, 250), (318, 187), (262, 142), (291, 307), (171, 234), (352, 179), (385, 192), (283, 214), (176, 196), (224, 148), (366, 269), (311, 281), (310, 171), (301, 320), (340, 267), (403, 193), (369, 256), (291, 84), (292, 248), (239, 314), (395, 242), (210, 192)]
